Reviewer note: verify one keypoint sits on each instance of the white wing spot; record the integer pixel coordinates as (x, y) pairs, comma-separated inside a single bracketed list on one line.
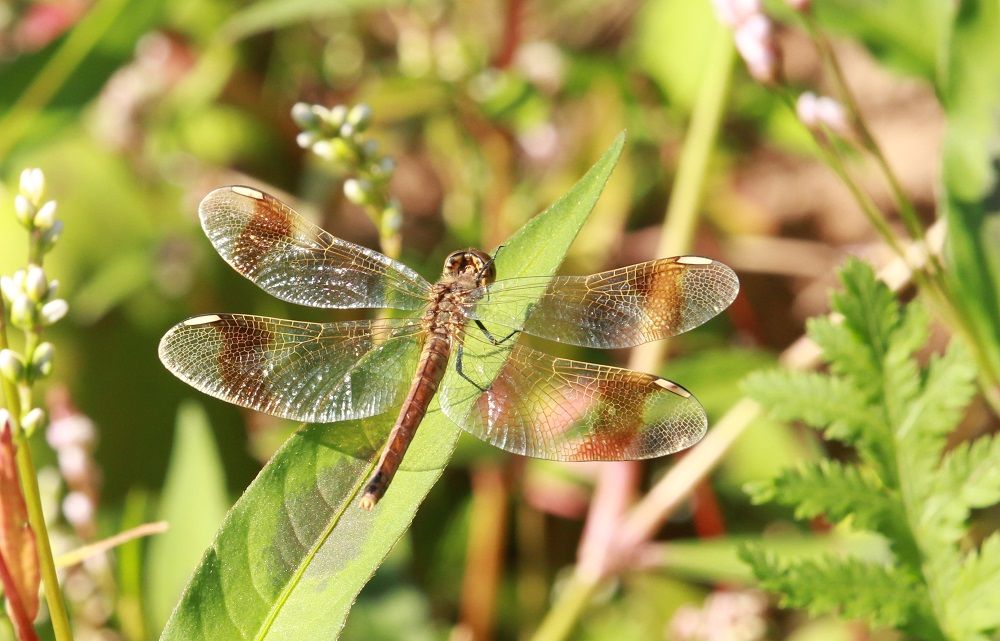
[(202, 320), (249, 193), (694, 260), (672, 387)]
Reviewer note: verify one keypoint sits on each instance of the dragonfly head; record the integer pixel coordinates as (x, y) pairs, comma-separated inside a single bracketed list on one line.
[(471, 262)]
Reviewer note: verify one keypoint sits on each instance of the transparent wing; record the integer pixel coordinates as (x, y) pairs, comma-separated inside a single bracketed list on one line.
[(294, 260), (312, 372), (618, 308), (554, 408)]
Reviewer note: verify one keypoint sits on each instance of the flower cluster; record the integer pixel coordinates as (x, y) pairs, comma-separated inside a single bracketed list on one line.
[(725, 616), (753, 34), (32, 297), (336, 135)]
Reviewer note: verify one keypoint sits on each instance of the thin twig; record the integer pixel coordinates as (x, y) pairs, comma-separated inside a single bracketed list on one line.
[(81, 554)]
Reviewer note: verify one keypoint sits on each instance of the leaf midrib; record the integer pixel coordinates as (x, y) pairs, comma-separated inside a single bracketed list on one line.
[(306, 562)]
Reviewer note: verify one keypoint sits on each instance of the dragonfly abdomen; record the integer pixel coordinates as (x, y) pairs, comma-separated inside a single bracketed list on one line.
[(431, 369)]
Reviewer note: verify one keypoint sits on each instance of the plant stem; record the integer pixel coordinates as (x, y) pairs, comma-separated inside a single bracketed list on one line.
[(599, 549), (907, 212), (32, 498), (573, 599)]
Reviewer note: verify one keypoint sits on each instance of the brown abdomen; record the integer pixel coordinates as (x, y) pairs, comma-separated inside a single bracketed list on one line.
[(431, 369)]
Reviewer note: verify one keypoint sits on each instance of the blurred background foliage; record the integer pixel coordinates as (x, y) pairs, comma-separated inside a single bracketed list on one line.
[(491, 110)]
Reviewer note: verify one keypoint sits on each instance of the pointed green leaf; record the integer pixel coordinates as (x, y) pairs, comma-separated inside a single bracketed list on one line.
[(194, 502), (295, 551)]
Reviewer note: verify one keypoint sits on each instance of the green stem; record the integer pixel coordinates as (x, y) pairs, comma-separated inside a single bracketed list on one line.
[(682, 211), (573, 599), (56, 71), (32, 497), (907, 212), (677, 235), (681, 217)]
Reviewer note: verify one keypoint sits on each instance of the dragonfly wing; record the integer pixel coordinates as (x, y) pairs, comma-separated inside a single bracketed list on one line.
[(312, 372), (554, 408), (618, 308), (294, 260)]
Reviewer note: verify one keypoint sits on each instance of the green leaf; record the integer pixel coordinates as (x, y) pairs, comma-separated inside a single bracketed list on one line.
[(837, 491), (823, 402), (970, 199), (973, 607), (870, 310), (296, 549), (194, 502), (969, 478), (947, 390), (851, 588), (846, 355)]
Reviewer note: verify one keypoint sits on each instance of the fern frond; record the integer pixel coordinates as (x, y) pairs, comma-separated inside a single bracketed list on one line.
[(844, 353), (823, 402), (870, 309), (947, 390), (838, 492), (881, 595), (973, 605), (968, 478)]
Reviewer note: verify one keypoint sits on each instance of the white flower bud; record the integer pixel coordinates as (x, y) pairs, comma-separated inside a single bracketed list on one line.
[(336, 117), (357, 191), (8, 288), (53, 311), (23, 210), (307, 139), (304, 116), (36, 285), (360, 116), (323, 149), (78, 509), (346, 130), (41, 360), (4, 419), (755, 42), (74, 463), (50, 237), (816, 112), (33, 185), (46, 216), (22, 311), (75, 430), (34, 419), (11, 366)]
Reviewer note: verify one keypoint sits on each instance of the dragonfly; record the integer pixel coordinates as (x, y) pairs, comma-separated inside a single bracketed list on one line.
[(506, 393)]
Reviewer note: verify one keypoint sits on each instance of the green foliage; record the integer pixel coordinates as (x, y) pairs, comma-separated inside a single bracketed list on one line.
[(970, 89), (905, 486), (296, 549), (193, 503)]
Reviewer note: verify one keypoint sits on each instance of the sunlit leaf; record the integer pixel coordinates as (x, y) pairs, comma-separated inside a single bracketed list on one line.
[(296, 549), (194, 502)]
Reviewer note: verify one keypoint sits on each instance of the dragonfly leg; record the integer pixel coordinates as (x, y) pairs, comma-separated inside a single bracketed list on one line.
[(493, 339), (458, 368)]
